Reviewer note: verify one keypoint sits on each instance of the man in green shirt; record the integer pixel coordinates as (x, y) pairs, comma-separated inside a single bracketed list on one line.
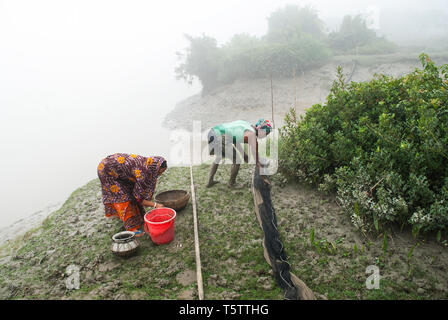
[(225, 140)]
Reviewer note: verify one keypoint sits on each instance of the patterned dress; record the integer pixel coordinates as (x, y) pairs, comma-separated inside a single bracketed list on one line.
[(127, 180)]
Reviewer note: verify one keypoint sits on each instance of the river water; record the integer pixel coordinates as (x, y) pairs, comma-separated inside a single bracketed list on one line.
[(46, 153), (84, 79)]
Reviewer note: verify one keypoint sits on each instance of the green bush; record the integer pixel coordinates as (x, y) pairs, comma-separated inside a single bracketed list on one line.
[(246, 57), (382, 146), (261, 59)]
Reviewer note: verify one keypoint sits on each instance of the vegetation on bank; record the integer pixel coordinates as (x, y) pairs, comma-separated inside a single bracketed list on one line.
[(295, 40), (322, 246), (381, 146)]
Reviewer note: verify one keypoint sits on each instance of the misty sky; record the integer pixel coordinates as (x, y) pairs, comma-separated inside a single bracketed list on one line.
[(83, 79)]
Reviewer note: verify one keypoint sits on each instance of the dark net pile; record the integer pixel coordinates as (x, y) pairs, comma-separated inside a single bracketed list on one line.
[(273, 245)]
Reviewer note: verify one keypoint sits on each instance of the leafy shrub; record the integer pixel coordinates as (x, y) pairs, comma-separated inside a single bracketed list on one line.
[(382, 146)]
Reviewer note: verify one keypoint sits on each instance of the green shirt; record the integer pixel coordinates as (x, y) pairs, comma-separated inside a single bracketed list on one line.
[(235, 129)]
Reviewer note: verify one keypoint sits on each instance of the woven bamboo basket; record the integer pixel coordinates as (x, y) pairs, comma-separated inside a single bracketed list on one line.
[(174, 199)]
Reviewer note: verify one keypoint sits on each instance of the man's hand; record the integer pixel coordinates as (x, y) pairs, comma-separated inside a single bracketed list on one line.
[(159, 205)]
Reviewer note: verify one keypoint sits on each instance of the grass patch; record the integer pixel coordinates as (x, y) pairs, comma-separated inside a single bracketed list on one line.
[(231, 251)]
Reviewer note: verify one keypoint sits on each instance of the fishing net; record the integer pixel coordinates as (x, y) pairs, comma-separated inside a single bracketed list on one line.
[(274, 253)]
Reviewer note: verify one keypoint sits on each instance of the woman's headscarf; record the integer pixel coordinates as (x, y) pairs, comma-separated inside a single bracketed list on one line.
[(264, 124), (153, 164)]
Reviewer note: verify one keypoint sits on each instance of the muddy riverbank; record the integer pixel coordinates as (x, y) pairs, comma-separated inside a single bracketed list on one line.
[(251, 99)]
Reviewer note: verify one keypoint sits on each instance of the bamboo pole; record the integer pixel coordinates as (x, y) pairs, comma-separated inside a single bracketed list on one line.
[(295, 90), (272, 104), (196, 238)]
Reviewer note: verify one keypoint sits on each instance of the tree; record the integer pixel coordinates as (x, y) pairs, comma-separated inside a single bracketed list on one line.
[(291, 22), (201, 60), (352, 33)]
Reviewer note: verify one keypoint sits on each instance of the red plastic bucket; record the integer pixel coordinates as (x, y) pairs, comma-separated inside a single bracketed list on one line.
[(159, 223)]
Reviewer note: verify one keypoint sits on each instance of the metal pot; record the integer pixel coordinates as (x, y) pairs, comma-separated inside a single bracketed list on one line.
[(124, 244)]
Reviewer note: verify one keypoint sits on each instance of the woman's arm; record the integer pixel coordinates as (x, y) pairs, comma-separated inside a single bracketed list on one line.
[(154, 204), (144, 186)]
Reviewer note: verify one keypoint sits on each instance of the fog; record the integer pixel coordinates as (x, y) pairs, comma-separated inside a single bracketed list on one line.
[(83, 79)]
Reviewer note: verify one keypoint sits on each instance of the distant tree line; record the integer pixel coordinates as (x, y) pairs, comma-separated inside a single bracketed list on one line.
[(295, 39), (354, 35)]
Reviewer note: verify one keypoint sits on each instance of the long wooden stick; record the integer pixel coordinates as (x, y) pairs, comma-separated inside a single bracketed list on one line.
[(196, 239), (295, 90), (272, 103)]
